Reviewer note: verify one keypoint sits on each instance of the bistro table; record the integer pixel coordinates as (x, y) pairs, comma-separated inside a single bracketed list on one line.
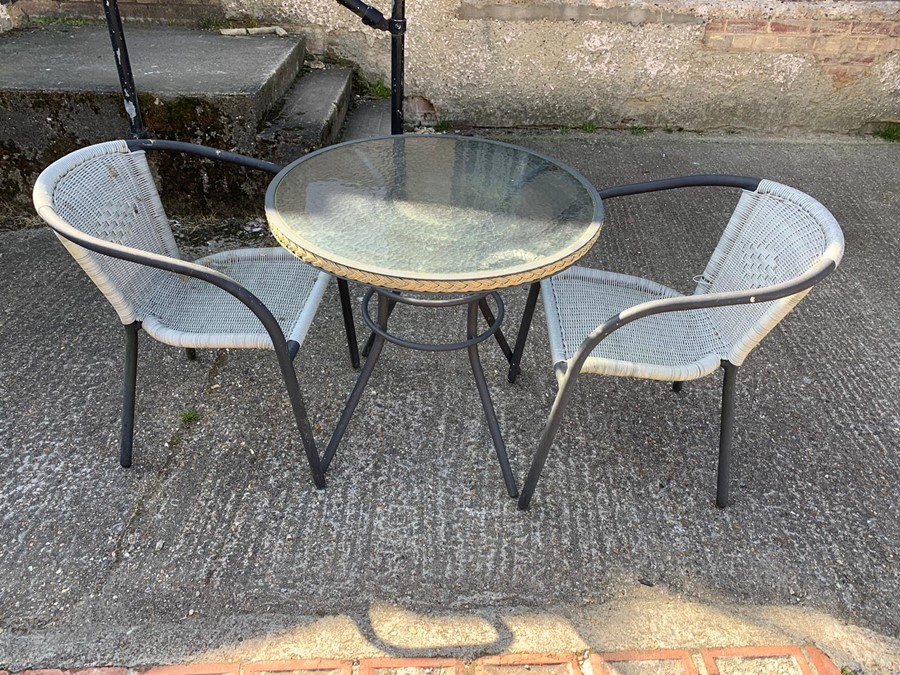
[(450, 219)]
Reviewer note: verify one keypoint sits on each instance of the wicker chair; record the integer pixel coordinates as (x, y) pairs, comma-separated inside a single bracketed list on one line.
[(104, 206), (777, 245)]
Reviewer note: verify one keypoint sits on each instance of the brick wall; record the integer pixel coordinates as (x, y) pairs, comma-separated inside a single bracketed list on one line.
[(845, 49)]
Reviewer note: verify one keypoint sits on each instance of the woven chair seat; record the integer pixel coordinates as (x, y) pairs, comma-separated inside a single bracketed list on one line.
[(673, 347), (188, 312)]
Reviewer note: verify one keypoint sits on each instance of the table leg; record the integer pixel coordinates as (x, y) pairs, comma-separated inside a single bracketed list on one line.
[(486, 403), (371, 340), (527, 315), (384, 311), (501, 339)]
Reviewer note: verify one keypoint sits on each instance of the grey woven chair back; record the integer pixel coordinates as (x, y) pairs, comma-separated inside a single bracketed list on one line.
[(108, 192), (775, 234)]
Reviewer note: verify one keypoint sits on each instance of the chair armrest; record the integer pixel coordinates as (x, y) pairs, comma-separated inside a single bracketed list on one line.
[(687, 302), (168, 264), (701, 180), (203, 151)]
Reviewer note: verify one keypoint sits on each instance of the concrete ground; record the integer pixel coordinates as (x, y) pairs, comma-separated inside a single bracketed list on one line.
[(216, 546)]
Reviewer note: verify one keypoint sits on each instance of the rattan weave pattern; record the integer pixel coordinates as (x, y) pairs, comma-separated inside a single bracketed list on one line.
[(189, 312), (435, 285), (107, 191), (775, 234), (671, 346)]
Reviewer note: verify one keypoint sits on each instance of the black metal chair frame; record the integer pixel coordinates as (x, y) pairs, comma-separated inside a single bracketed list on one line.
[(623, 318)]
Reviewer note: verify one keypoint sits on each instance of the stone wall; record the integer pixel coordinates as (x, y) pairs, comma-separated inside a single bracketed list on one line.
[(722, 65), (10, 16), (179, 12)]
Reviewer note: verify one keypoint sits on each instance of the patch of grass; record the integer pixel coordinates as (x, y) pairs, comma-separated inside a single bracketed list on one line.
[(175, 440), (889, 132), (375, 89), (442, 125), (589, 127), (638, 131), (188, 417), (61, 21)]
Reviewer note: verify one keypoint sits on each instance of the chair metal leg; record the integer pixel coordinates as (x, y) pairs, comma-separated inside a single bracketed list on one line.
[(191, 353), (676, 387), (487, 404), (514, 370), (726, 436), (129, 387), (299, 408), (349, 325), (550, 429)]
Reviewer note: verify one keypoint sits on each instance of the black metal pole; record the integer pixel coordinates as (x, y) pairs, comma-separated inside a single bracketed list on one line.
[(398, 33), (396, 25), (123, 65)]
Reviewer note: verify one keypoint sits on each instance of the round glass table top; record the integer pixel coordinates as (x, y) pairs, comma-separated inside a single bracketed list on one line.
[(434, 213)]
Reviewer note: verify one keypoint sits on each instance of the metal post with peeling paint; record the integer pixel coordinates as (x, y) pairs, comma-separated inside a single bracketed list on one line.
[(396, 26), (123, 65)]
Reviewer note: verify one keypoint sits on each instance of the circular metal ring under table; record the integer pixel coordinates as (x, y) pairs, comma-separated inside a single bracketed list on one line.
[(417, 302), (386, 302)]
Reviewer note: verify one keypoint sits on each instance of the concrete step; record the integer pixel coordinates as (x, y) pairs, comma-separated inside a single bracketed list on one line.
[(369, 118), (193, 85), (312, 116)]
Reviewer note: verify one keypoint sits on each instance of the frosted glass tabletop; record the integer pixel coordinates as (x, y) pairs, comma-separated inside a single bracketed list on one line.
[(434, 213)]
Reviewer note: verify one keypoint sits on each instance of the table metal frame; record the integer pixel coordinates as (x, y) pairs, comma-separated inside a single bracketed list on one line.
[(465, 289), (474, 302)]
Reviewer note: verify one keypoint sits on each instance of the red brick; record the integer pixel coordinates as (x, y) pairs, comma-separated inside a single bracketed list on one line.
[(683, 657), (528, 664), (376, 666), (839, 72), (830, 27), (789, 26), (835, 43), (821, 662), (747, 26), (100, 671), (49, 671), (196, 669), (319, 666), (718, 41), (789, 43), (765, 43), (710, 656), (715, 26), (876, 45), (873, 27)]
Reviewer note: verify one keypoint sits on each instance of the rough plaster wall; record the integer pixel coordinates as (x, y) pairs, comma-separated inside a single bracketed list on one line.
[(638, 66), (10, 17)]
